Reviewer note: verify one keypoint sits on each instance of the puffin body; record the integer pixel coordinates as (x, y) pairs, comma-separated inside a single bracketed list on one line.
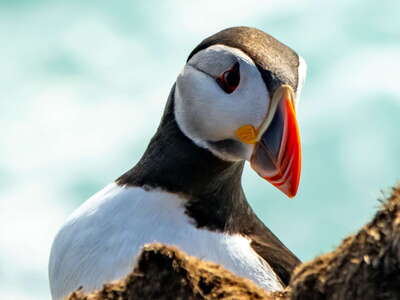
[(114, 225), (234, 101)]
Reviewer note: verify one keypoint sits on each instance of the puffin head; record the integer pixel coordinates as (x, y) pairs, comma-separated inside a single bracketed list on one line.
[(236, 96)]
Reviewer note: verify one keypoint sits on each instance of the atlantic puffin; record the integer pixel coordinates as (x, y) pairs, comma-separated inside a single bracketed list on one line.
[(234, 101)]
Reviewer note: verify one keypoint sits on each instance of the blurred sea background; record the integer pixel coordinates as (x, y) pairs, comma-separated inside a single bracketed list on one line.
[(83, 85)]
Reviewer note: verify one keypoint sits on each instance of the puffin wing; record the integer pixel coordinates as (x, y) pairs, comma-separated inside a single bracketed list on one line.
[(272, 250)]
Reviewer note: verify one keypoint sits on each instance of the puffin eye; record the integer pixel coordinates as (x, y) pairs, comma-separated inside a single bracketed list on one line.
[(229, 80)]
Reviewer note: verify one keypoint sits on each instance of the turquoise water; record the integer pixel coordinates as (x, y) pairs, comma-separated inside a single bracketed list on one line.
[(83, 85)]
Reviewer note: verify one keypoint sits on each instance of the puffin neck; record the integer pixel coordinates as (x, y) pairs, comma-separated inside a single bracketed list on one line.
[(172, 162)]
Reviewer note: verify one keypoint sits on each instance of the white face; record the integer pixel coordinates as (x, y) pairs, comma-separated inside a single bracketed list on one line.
[(206, 113)]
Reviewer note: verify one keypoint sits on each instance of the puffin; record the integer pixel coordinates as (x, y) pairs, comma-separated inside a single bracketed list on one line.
[(234, 101)]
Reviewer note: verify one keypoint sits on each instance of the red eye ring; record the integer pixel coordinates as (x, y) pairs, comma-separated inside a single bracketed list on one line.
[(230, 79)]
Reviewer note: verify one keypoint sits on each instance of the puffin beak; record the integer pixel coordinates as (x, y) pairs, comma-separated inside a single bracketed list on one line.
[(277, 151)]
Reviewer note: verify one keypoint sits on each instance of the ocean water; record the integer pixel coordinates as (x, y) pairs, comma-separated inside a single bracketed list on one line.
[(83, 85)]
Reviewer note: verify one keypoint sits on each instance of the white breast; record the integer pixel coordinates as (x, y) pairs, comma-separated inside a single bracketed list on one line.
[(101, 239)]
